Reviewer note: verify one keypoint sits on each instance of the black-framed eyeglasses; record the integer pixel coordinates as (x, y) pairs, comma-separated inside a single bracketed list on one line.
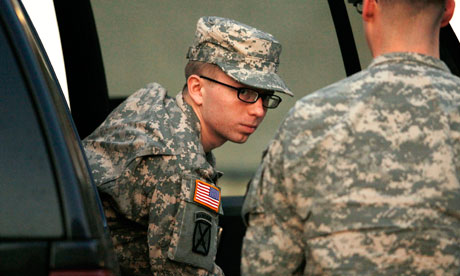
[(358, 5), (249, 95)]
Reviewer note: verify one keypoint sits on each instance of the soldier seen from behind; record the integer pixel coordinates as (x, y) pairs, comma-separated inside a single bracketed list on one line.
[(362, 178), (151, 158)]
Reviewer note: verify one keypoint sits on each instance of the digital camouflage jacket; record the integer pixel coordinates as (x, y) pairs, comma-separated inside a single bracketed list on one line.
[(157, 186), (362, 178)]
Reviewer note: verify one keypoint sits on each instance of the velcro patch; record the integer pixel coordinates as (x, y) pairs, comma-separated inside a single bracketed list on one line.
[(207, 195), (202, 233)]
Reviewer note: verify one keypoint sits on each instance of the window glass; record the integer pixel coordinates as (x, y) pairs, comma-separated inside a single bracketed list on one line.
[(28, 199), (146, 41), (455, 21), (44, 19), (74, 180)]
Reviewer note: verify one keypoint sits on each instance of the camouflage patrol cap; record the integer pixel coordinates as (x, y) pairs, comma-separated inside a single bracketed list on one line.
[(246, 54)]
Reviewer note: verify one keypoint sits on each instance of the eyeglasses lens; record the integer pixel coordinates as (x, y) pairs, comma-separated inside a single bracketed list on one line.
[(359, 7), (248, 95), (270, 102)]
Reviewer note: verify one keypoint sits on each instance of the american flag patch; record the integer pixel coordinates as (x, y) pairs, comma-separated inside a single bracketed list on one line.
[(207, 195)]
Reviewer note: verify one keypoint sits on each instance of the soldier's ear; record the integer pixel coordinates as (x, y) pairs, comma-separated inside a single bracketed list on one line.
[(448, 12), (368, 10), (195, 85)]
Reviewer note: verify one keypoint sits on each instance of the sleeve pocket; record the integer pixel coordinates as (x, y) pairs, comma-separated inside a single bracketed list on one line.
[(195, 234)]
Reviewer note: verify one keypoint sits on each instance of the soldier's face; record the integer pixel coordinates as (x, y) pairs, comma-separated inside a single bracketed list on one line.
[(224, 116)]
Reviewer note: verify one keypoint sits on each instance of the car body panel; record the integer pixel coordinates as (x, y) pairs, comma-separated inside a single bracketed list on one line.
[(53, 220)]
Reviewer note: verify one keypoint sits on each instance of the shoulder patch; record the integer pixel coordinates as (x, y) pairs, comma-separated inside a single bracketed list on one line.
[(207, 195), (202, 233)]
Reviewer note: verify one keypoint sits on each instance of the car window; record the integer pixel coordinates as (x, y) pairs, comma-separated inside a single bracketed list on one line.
[(146, 41), (44, 19), (455, 22), (28, 197), (79, 198)]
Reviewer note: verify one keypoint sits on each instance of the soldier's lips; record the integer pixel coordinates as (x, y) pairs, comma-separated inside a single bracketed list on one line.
[(249, 129)]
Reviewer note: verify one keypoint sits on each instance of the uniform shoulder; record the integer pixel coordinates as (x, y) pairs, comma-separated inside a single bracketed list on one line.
[(138, 126), (331, 98)]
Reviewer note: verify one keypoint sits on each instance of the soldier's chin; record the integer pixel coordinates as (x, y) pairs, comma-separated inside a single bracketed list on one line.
[(240, 140)]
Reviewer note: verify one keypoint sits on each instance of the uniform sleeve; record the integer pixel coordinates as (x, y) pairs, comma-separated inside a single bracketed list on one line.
[(273, 241), (182, 234)]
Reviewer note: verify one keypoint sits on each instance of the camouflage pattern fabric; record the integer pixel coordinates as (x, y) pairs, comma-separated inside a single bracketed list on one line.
[(145, 159), (362, 178), (246, 54)]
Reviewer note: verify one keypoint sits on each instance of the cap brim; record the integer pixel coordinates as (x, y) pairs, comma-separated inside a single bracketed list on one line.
[(262, 80)]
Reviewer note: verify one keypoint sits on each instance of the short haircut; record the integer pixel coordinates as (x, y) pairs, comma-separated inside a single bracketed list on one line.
[(418, 6), (416, 2), (199, 68)]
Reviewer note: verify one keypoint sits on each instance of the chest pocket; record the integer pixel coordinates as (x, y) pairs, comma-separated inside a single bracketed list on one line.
[(195, 235)]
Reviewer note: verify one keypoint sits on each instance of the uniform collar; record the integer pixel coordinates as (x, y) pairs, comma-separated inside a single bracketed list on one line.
[(408, 58), (188, 111), (195, 123)]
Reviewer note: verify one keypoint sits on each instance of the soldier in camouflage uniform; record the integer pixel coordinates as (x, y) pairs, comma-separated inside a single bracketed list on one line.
[(362, 178), (151, 159)]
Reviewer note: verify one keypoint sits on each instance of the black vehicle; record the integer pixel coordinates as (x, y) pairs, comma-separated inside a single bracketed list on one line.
[(51, 220)]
